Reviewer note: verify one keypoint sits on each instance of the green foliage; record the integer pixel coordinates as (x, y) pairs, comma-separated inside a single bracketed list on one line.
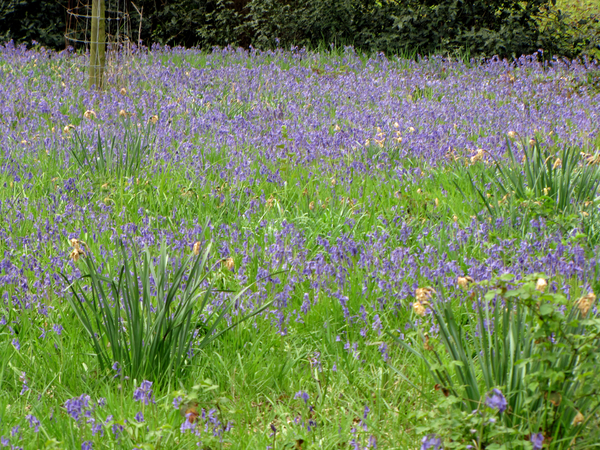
[(28, 20), (540, 349), (477, 28), (149, 329)]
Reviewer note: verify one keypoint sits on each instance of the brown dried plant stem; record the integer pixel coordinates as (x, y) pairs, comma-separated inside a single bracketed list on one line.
[(98, 43)]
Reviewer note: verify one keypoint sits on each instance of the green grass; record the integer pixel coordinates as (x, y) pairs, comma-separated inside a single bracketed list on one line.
[(250, 375)]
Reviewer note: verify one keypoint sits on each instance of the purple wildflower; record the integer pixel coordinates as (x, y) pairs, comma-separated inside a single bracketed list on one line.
[(431, 441), (144, 393), (303, 395), (537, 441), (33, 422), (139, 417), (87, 445), (496, 400)]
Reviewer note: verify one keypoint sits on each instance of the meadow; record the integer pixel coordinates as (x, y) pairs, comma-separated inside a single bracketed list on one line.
[(292, 249)]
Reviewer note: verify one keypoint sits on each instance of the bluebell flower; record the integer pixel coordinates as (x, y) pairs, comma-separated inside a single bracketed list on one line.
[(303, 395), (144, 393), (33, 422), (431, 441), (537, 441), (496, 400)]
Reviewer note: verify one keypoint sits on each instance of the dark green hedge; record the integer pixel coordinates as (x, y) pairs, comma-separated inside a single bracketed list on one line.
[(476, 27)]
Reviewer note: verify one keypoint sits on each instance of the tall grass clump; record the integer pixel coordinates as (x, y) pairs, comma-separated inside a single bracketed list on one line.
[(113, 156), (144, 322)]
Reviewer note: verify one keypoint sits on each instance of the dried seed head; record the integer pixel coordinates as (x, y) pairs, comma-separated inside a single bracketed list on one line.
[(419, 309), (311, 206), (546, 190), (437, 202), (427, 345), (336, 127), (455, 218), (89, 114), (557, 163), (541, 285), (196, 248), (478, 156), (411, 130), (578, 419), (585, 303), (424, 294), (532, 142), (512, 135), (123, 113), (153, 119), (270, 202), (228, 263), (396, 125), (123, 91), (68, 128), (333, 182), (463, 282)]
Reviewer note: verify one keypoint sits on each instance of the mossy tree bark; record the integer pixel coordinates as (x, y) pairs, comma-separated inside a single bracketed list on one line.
[(98, 43)]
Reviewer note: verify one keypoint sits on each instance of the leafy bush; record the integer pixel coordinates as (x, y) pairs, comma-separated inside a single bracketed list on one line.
[(147, 318), (496, 27), (29, 20), (531, 359)]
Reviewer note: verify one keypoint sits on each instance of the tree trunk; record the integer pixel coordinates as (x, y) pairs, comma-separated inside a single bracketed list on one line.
[(97, 44)]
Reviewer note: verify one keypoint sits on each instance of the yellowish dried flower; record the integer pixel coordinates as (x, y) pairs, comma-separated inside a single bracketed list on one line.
[(228, 263), (396, 125), (512, 135), (424, 294), (336, 127), (455, 218), (463, 282), (123, 91), (578, 419), (557, 163), (437, 202), (367, 142), (333, 182), (411, 130), (419, 191), (380, 142), (123, 113), (532, 142), (541, 285), (89, 114), (68, 129), (546, 190), (311, 206), (153, 119), (196, 248), (270, 202), (478, 156), (77, 250), (585, 303), (419, 309)]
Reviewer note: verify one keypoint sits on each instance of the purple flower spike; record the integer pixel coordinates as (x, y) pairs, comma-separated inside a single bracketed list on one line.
[(431, 442), (303, 395), (144, 393), (496, 400), (537, 441)]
